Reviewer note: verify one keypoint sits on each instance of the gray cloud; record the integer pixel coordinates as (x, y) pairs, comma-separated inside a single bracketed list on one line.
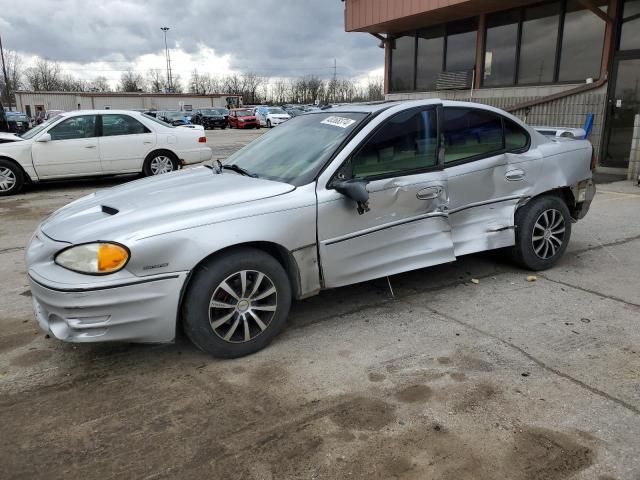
[(270, 37)]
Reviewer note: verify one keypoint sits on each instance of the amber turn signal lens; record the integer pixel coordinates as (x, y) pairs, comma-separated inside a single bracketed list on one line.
[(111, 257)]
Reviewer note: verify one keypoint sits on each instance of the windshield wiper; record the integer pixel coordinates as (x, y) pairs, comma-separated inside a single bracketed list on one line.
[(240, 170)]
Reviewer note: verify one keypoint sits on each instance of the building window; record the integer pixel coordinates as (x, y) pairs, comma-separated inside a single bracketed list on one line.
[(461, 45), (539, 44), (430, 58), (582, 43), (630, 36), (403, 63), (501, 49)]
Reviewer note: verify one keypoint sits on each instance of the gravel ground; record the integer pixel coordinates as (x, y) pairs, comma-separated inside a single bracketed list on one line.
[(503, 379)]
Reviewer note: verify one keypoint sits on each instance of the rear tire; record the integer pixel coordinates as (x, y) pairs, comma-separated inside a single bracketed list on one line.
[(158, 163), (543, 231), (236, 304), (11, 178)]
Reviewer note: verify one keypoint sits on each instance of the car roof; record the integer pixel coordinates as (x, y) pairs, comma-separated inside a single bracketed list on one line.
[(99, 112)]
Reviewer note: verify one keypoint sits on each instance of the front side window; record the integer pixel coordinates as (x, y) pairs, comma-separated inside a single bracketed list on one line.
[(83, 126), (407, 142), (471, 133), (113, 125), (403, 63), (539, 43)]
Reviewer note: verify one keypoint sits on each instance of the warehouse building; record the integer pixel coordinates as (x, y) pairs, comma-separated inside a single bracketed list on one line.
[(33, 102), (550, 63)]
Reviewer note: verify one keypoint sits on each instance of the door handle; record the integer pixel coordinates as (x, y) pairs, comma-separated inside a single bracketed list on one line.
[(515, 175), (147, 143), (429, 193), (90, 146)]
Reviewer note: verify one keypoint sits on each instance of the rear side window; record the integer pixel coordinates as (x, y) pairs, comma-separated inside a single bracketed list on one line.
[(471, 133), (113, 125), (407, 142), (516, 138)]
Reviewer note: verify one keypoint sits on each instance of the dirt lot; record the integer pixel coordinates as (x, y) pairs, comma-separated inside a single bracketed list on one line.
[(504, 379)]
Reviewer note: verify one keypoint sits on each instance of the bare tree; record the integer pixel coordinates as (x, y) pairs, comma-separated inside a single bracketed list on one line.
[(200, 83), (155, 80), (250, 85), (43, 76), (176, 83), (99, 84), (13, 65), (131, 81)]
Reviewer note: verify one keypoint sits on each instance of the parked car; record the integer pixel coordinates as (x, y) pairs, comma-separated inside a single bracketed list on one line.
[(271, 116), (6, 137), (243, 118), (173, 117), (293, 111), (329, 199), (98, 142), (18, 122), (210, 118)]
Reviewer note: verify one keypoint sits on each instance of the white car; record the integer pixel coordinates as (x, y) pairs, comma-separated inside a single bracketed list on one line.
[(271, 116), (98, 142)]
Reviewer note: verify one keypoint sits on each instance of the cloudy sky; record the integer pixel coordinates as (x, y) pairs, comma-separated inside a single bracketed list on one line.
[(276, 38)]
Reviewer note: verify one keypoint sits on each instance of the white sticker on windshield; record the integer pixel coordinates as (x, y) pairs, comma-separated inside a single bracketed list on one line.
[(339, 122)]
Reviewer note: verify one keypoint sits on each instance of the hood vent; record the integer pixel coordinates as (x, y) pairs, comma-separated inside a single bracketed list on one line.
[(109, 210)]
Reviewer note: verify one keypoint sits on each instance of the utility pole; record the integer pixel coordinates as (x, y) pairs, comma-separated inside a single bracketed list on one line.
[(168, 59), (6, 78), (335, 80)]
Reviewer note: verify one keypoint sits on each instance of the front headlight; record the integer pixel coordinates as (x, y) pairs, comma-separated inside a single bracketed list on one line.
[(94, 258)]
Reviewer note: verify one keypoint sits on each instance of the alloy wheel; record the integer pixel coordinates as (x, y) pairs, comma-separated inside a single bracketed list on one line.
[(243, 306), (161, 164), (7, 179), (548, 234)]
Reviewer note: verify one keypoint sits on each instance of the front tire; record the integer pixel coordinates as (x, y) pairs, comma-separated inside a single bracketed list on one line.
[(159, 163), (269, 124), (236, 304), (11, 178), (543, 231)]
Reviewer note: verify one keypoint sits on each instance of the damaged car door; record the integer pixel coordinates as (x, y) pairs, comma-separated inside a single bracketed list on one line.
[(490, 169), (385, 211)]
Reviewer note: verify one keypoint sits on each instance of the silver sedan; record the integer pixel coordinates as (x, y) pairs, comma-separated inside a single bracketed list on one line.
[(328, 199)]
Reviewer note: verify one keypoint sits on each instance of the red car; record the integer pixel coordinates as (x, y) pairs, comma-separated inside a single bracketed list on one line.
[(242, 118)]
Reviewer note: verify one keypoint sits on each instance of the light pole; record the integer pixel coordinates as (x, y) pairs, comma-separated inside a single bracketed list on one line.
[(168, 59), (6, 78)]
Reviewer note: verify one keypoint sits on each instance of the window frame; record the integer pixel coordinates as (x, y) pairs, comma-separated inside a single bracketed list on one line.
[(96, 131), (347, 165), (486, 155), (101, 126)]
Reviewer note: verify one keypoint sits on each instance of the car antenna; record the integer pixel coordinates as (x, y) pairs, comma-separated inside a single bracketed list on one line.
[(391, 288)]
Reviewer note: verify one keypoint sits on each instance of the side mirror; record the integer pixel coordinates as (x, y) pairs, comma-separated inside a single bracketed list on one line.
[(44, 138), (356, 190)]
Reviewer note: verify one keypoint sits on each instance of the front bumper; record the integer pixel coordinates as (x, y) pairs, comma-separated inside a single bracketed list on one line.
[(140, 311)]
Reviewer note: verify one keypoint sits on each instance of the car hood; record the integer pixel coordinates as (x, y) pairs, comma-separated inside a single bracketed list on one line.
[(159, 204), (10, 136)]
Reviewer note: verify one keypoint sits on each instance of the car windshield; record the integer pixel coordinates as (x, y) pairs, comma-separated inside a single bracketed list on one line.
[(223, 111), (209, 111), (277, 111), (296, 151), (244, 113), (34, 131), (19, 117)]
